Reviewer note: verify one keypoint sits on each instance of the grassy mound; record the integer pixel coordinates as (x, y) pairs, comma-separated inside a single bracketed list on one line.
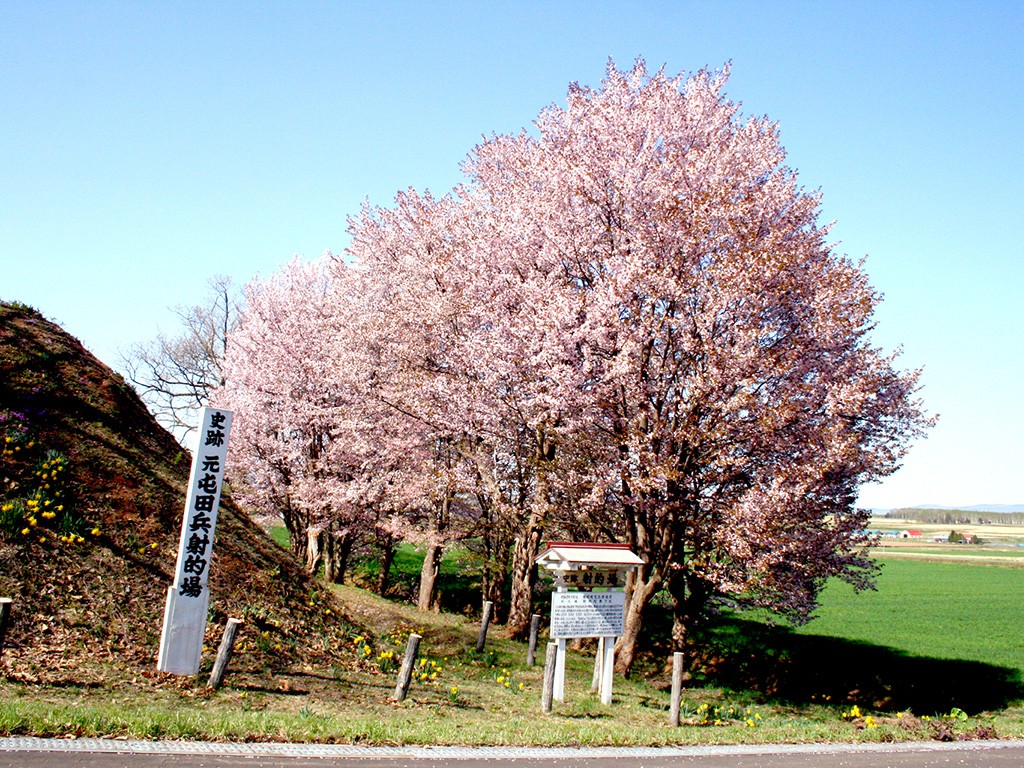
[(92, 492)]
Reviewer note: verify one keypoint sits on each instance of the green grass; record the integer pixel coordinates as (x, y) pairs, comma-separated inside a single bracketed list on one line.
[(280, 534), (351, 703), (940, 610), (934, 637), (417, 723)]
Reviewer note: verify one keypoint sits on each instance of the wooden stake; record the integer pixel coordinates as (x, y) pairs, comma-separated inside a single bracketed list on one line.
[(5, 615), (595, 679), (485, 620), (405, 675), (677, 688), (549, 677), (531, 652), (227, 647)]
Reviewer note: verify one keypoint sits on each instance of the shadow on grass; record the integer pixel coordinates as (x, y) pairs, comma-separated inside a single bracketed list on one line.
[(803, 669)]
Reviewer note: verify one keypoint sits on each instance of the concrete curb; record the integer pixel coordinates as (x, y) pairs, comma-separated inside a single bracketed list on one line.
[(268, 749)]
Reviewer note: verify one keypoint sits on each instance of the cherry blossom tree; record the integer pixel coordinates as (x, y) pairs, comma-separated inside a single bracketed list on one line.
[(724, 340), (473, 333), (645, 283), (417, 314), (300, 445)]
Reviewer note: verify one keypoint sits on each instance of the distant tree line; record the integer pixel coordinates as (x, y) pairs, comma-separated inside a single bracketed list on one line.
[(957, 516)]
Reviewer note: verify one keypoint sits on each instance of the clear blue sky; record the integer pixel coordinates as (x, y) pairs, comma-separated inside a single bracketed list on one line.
[(145, 146)]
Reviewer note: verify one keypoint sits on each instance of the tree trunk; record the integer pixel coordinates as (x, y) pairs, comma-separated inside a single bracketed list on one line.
[(337, 548), (644, 590), (527, 541), (314, 549), (524, 575), (345, 546), (493, 587), (689, 599), (428, 598), (494, 573), (387, 557), (297, 543), (297, 525), (330, 558)]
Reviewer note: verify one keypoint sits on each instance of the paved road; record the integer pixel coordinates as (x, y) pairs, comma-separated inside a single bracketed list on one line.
[(97, 753)]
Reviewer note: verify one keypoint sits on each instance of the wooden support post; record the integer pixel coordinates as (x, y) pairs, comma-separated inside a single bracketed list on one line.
[(560, 670), (531, 651), (227, 647), (607, 668), (677, 688), (5, 618), (405, 675), (485, 620), (595, 679), (559, 691), (549, 677)]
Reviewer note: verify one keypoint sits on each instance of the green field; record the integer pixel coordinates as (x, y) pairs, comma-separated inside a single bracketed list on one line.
[(936, 609), (952, 552)]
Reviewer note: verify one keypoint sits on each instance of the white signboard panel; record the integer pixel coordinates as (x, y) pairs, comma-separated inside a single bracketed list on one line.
[(587, 614), (181, 643)]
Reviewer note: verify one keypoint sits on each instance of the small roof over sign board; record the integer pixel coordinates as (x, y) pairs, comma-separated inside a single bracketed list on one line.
[(573, 555)]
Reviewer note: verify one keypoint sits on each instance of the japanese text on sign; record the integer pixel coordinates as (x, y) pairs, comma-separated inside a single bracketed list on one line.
[(188, 597), (587, 614), (201, 513)]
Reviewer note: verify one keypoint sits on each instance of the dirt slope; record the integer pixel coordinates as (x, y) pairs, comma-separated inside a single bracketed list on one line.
[(92, 493)]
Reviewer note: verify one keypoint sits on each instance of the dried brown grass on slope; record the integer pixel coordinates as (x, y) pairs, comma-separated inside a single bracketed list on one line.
[(95, 603)]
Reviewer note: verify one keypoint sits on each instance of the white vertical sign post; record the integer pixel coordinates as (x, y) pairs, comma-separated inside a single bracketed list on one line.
[(559, 693), (181, 642)]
